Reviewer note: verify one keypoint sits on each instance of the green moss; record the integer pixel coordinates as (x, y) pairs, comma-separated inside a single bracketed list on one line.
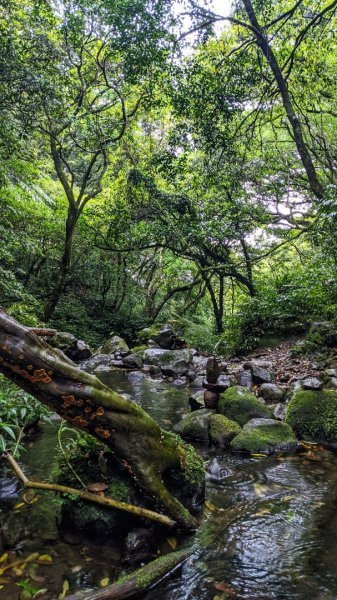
[(274, 436), (240, 405), (119, 490), (313, 415), (148, 333), (193, 471), (157, 568), (195, 426), (138, 350), (222, 430)]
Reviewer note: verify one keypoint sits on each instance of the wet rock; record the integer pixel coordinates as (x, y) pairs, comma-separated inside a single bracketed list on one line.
[(136, 376), (98, 362), (260, 374), (200, 363), (272, 393), (138, 542), (240, 405), (220, 385), (197, 382), (196, 400), (133, 361), (113, 344), (265, 436), (79, 351), (313, 415), (62, 340), (9, 489), (195, 426), (212, 370), (211, 399), (172, 363), (279, 411), (222, 430), (165, 337), (312, 383), (245, 378), (180, 381), (191, 374)]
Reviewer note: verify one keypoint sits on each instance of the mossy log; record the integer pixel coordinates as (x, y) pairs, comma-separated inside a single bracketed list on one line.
[(139, 581), (146, 450)]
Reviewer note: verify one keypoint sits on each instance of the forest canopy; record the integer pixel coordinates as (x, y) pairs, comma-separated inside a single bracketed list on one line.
[(161, 162)]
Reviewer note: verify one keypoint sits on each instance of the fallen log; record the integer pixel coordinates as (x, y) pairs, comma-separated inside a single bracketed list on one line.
[(141, 580)]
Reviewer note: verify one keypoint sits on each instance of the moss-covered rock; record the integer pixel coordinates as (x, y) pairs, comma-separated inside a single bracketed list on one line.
[(195, 426), (265, 436), (222, 430), (313, 415), (114, 344), (240, 405)]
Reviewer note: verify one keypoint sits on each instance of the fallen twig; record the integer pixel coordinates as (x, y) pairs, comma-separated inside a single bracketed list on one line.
[(110, 502)]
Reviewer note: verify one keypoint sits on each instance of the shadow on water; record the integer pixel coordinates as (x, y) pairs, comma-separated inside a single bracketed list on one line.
[(269, 529)]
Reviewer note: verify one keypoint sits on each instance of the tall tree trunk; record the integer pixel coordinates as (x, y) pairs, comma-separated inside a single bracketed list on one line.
[(293, 119), (145, 449), (65, 264)]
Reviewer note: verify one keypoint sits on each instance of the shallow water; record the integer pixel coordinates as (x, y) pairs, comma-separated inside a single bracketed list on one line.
[(269, 529)]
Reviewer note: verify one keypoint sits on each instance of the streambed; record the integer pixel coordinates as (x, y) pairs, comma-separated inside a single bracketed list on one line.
[(269, 529)]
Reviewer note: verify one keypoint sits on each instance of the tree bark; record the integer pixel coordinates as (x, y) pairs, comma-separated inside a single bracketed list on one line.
[(56, 294), (146, 450)]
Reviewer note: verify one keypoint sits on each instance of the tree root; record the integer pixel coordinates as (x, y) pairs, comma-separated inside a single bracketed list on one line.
[(102, 500)]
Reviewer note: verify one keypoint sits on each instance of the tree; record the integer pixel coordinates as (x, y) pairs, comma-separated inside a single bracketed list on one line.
[(148, 452)]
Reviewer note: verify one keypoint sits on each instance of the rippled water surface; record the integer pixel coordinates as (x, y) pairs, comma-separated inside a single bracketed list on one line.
[(269, 529)]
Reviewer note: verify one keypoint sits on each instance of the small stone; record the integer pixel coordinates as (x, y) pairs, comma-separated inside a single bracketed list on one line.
[(212, 370), (210, 399), (133, 361), (195, 426), (312, 383), (271, 392), (196, 400), (245, 378), (221, 385), (260, 374), (279, 411)]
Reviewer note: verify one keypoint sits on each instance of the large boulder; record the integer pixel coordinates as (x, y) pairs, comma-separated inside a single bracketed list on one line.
[(100, 362), (313, 415), (222, 430), (265, 436), (164, 336), (132, 361), (195, 426), (173, 363), (114, 344), (240, 405)]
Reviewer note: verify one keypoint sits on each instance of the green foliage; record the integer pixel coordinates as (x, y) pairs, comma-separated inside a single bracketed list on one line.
[(17, 411)]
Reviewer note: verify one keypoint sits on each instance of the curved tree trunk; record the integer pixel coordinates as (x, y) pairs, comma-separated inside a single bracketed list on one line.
[(146, 450)]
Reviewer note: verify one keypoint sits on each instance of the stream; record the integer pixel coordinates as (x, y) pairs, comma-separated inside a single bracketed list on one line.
[(269, 529)]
